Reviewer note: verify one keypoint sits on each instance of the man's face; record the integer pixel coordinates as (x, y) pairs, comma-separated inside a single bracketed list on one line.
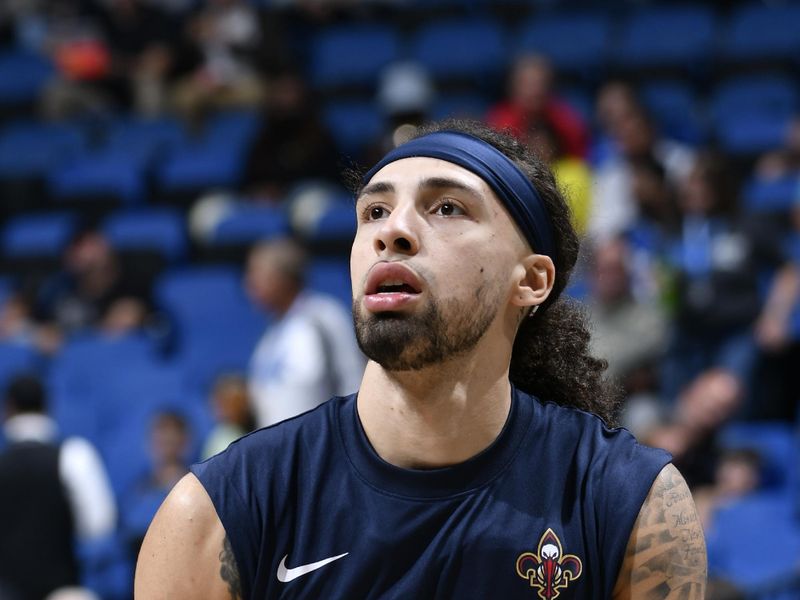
[(264, 283), (432, 263)]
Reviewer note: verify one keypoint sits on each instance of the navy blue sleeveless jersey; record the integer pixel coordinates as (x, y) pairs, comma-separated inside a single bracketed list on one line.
[(545, 512)]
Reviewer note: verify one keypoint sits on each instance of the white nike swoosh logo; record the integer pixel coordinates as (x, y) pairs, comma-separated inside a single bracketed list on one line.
[(285, 575)]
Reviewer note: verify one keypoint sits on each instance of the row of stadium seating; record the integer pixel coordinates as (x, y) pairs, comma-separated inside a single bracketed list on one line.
[(686, 36)]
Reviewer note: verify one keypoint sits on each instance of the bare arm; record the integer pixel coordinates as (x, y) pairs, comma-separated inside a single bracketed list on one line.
[(666, 555), (185, 554)]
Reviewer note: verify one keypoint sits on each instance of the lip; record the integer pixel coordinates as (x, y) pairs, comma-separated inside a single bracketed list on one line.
[(391, 271), (376, 301)]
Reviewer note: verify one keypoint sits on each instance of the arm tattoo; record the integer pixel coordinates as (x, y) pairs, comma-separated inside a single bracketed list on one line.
[(666, 554), (229, 571)]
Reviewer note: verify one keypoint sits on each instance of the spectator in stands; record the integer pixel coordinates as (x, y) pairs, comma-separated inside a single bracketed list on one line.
[(309, 353), (231, 406), (572, 173), (737, 474), (718, 260), (94, 291), (53, 493), (533, 102), (635, 138), (18, 326), (656, 223), (405, 95), (689, 434), (614, 100), (169, 460), (116, 55), (629, 334), (784, 161), (228, 36), (293, 144)]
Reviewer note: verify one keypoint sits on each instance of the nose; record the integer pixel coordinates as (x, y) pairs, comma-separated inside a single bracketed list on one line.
[(399, 233)]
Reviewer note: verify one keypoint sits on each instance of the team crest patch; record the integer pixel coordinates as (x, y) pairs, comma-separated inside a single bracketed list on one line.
[(549, 569)]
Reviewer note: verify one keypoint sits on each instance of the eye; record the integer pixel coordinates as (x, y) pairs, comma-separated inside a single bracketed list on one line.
[(448, 209), (374, 213)]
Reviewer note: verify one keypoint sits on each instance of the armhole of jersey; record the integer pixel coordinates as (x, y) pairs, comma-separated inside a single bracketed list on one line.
[(652, 465), (228, 503)]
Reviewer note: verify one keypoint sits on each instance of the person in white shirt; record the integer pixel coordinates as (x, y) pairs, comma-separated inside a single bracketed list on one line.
[(309, 353), (54, 493), (614, 206)]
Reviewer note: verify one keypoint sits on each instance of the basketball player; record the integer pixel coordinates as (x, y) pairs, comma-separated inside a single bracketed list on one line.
[(469, 465)]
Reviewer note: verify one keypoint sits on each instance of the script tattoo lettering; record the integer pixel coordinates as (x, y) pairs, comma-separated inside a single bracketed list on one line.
[(666, 554), (229, 571)]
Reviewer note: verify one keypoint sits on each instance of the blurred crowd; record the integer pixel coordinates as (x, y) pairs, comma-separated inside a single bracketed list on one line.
[(694, 298)]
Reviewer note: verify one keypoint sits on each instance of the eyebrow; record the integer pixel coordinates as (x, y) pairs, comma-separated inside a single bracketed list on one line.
[(438, 183), (432, 183), (380, 187)]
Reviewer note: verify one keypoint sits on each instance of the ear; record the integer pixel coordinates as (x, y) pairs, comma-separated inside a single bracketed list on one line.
[(536, 274)]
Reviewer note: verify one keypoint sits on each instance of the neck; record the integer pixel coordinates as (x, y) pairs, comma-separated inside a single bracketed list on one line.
[(285, 303), (438, 416)]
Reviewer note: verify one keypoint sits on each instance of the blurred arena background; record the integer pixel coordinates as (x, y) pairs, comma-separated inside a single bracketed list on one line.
[(146, 145)]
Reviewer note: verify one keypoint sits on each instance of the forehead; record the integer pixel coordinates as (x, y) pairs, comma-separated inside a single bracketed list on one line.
[(412, 172), (408, 175)]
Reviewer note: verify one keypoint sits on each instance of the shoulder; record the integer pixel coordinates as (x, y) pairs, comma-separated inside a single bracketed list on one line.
[(605, 441), (325, 308), (666, 553), (617, 469), (181, 556), (79, 450), (268, 455)]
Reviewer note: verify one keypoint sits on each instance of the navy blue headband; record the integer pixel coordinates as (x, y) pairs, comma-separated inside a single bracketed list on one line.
[(511, 185)]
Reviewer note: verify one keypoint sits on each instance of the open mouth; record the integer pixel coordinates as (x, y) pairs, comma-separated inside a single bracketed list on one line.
[(396, 288), (392, 278), (391, 286)]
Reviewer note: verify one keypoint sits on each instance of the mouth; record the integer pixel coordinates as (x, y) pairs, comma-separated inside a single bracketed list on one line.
[(392, 278), (391, 286), (396, 287)]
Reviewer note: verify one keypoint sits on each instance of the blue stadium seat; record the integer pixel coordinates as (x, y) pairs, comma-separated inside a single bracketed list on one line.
[(193, 167), (249, 223), (37, 235), (675, 37), (775, 95), (754, 541), (145, 140), (575, 43), (337, 223), (750, 134), (162, 230), (760, 31), (461, 49), (331, 276), (16, 358), (115, 176), (674, 106), (129, 401), (201, 296), (353, 124), (233, 128), (23, 76), (82, 372), (31, 149), (218, 325), (470, 106), (352, 54), (776, 442), (771, 195)]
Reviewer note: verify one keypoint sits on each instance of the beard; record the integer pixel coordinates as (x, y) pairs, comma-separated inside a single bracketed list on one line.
[(444, 330)]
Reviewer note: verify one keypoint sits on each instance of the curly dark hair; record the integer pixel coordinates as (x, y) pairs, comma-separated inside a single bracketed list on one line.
[(550, 358)]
